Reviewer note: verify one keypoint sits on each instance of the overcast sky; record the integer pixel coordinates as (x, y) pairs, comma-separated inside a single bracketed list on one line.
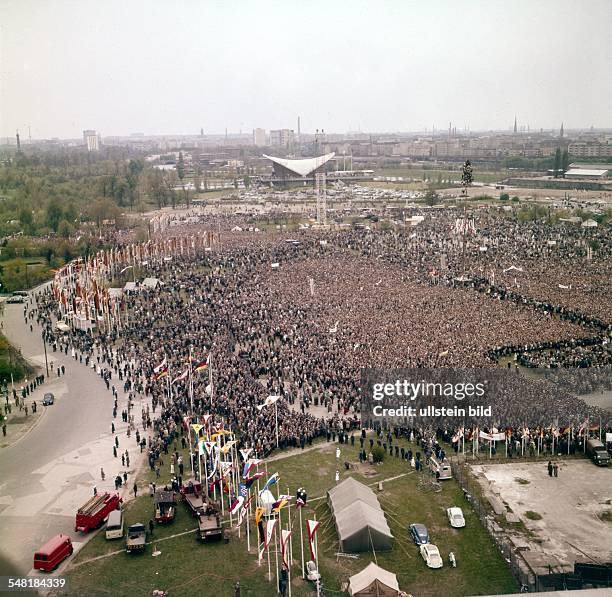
[(380, 66)]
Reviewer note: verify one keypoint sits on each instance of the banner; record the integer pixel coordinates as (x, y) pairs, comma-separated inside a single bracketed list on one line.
[(270, 525), (285, 534), (312, 526)]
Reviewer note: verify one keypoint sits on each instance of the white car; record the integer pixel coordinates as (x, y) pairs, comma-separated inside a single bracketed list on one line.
[(431, 555), (455, 517)]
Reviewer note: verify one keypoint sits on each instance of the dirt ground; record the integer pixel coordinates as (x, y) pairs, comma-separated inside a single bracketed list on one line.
[(575, 509)]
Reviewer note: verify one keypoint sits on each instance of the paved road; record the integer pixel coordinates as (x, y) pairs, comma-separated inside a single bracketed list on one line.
[(52, 470)]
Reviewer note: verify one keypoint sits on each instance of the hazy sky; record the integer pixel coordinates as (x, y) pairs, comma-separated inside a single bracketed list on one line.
[(398, 65)]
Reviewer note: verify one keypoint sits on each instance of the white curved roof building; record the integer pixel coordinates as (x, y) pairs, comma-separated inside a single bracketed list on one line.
[(300, 167)]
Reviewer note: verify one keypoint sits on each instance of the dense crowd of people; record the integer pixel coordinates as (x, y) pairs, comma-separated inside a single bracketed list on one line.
[(384, 299)]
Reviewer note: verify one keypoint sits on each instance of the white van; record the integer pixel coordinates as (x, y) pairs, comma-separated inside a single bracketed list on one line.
[(114, 525), (441, 470)]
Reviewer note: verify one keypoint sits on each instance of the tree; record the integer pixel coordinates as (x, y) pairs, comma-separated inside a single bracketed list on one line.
[(431, 197), (27, 220), (54, 214), (180, 167), (466, 175), (565, 162), (557, 165), (504, 197), (64, 229)]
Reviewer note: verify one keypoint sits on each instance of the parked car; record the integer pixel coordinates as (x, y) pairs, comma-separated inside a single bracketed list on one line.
[(419, 533), (48, 399), (15, 299), (431, 555), (455, 517)]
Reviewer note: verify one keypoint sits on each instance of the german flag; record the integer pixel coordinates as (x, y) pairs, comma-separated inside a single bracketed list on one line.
[(201, 366)]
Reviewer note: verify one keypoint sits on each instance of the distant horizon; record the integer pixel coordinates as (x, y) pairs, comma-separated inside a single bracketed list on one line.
[(459, 132)]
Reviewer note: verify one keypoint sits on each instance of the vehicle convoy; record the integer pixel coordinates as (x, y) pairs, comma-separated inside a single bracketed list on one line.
[(597, 452), (165, 506), (94, 512), (136, 537), (52, 553)]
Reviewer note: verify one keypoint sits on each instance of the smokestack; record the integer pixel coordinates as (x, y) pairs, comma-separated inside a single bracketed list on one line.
[(18, 142)]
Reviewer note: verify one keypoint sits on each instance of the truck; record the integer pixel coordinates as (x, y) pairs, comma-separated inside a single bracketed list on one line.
[(209, 524), (193, 496), (165, 506), (95, 511), (136, 537), (597, 452)]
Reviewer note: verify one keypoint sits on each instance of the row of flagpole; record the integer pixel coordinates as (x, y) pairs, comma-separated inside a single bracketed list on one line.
[(216, 452)]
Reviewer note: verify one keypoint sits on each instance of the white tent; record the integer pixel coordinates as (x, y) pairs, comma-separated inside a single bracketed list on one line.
[(373, 581), (360, 521)]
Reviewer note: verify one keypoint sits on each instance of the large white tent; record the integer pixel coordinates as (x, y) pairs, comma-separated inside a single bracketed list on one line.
[(360, 521), (373, 581)]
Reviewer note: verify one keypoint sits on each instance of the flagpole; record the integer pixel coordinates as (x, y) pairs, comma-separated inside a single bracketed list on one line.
[(276, 420), (191, 416), (302, 541), (317, 559), (290, 558), (276, 529)]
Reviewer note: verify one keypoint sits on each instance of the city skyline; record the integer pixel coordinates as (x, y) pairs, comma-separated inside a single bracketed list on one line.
[(342, 66)]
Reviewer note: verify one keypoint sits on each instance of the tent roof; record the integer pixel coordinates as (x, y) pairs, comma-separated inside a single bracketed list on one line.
[(302, 167), (371, 573), (358, 516), (347, 492)]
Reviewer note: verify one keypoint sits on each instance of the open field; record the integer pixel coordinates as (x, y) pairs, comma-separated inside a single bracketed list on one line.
[(186, 567)]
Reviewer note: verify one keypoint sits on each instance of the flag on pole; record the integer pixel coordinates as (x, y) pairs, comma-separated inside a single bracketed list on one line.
[(270, 525), (271, 481), (248, 482), (285, 534), (196, 428), (312, 526), (245, 453), (201, 366), (280, 503), (249, 465), (244, 511), (268, 402), (162, 365), (227, 446), (236, 504), (182, 376), (161, 373)]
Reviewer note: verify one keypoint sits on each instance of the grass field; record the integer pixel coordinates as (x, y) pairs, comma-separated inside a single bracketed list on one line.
[(186, 567)]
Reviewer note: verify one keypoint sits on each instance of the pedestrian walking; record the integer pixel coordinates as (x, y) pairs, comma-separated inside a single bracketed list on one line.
[(151, 526), (102, 473), (550, 469), (556, 469), (135, 490)]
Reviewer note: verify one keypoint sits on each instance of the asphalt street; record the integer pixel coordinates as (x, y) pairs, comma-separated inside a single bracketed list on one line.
[(49, 473)]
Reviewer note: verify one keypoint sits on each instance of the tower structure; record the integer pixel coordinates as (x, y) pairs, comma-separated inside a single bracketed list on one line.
[(18, 142), (561, 131)]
